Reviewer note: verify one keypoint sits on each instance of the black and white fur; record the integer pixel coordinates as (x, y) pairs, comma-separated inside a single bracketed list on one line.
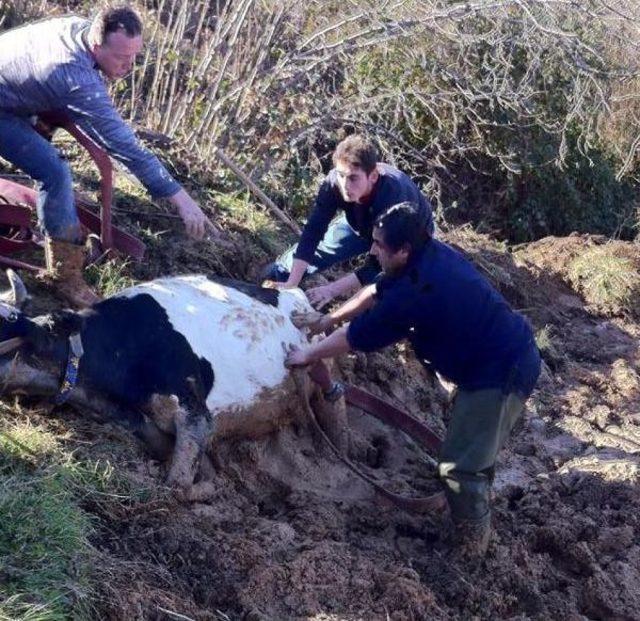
[(186, 356)]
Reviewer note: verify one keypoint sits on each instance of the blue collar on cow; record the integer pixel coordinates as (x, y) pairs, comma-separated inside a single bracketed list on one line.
[(71, 372)]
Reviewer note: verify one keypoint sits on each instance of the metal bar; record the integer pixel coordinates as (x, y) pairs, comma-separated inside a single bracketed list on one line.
[(15, 215), (19, 264), (103, 162)]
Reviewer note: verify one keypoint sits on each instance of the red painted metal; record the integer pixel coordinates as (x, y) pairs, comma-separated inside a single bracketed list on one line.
[(19, 265), (393, 416), (21, 201), (103, 162), (389, 414), (15, 215), (17, 194)]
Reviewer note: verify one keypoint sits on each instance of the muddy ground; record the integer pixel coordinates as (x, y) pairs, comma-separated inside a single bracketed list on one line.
[(287, 532)]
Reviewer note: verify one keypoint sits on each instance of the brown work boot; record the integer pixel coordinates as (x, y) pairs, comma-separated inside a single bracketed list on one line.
[(65, 263)]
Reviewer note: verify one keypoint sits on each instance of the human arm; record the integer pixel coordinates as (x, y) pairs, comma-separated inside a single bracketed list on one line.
[(356, 305), (298, 269), (324, 210), (376, 324), (322, 295), (90, 108), (333, 345)]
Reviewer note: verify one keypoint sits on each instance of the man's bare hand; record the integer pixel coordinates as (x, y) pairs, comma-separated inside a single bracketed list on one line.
[(296, 357), (315, 322), (196, 223), (321, 296), (194, 220)]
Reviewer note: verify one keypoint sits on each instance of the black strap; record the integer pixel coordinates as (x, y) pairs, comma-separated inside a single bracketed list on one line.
[(71, 372)]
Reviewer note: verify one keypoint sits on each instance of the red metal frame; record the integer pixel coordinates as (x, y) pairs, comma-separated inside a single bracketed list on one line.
[(21, 201)]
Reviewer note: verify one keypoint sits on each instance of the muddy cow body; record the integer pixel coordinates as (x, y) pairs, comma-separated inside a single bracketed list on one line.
[(183, 357)]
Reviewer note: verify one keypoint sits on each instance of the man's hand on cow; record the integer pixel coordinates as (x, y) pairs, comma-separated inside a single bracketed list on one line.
[(314, 321), (322, 295), (297, 357)]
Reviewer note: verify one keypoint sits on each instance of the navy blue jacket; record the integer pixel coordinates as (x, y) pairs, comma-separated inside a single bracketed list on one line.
[(457, 323), (392, 187)]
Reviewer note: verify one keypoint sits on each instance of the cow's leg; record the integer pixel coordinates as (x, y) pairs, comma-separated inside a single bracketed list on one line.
[(159, 443), (191, 423), (192, 431)]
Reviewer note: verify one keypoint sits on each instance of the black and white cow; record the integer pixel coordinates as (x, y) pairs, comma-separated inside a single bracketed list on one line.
[(182, 357)]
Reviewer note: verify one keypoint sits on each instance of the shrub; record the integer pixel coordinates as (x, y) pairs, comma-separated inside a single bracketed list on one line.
[(608, 279)]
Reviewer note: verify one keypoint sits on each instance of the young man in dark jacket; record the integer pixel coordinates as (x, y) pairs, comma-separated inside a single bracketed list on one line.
[(458, 325), (358, 189)]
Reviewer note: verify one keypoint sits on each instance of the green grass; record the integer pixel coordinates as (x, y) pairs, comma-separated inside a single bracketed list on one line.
[(252, 218), (46, 567), (43, 539), (608, 282), (550, 347), (43, 531), (109, 277)]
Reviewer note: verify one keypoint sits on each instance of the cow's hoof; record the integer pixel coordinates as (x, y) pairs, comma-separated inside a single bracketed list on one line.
[(178, 481), (200, 492)]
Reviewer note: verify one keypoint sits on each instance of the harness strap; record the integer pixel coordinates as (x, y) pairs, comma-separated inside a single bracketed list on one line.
[(427, 504), (71, 372), (393, 416)]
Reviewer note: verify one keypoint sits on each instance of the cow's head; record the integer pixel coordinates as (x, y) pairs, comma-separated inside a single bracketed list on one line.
[(13, 322), (41, 336)]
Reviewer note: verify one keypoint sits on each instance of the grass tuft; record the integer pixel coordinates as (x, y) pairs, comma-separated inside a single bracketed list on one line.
[(110, 277), (252, 218), (609, 282), (46, 566), (25, 441), (550, 347)]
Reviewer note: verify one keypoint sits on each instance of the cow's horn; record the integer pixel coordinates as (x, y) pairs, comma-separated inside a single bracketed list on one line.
[(18, 294)]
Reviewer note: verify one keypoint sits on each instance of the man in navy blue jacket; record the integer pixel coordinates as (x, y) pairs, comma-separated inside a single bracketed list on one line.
[(458, 326), (358, 189)]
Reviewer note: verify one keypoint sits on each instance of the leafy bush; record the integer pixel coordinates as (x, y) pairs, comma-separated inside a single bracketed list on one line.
[(545, 198)]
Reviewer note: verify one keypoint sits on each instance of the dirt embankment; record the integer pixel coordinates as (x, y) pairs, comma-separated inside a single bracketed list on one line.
[(287, 532)]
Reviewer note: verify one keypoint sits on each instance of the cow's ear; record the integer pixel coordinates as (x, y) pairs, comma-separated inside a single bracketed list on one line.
[(66, 322)]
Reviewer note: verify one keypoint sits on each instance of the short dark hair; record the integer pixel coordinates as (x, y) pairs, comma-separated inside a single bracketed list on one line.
[(115, 19), (358, 151), (404, 224)]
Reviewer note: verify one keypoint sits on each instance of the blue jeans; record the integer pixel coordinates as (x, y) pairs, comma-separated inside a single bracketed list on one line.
[(21, 145), (340, 243)]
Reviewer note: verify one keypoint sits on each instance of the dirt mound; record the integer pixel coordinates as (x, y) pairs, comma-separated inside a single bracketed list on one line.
[(606, 273), (288, 533), (282, 530)]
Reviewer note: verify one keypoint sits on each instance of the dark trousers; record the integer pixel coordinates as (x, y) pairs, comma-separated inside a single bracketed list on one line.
[(481, 421)]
